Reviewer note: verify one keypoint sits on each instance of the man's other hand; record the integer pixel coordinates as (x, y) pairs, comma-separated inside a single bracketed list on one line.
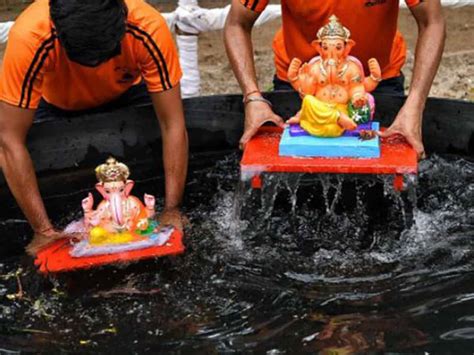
[(42, 239), (408, 124), (173, 217), (256, 114)]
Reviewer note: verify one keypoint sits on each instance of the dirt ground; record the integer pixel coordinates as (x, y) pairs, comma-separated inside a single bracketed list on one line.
[(455, 78)]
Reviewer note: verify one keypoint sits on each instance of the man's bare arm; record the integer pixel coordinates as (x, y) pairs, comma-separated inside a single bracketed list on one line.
[(429, 48), (238, 44), (17, 165), (169, 109)]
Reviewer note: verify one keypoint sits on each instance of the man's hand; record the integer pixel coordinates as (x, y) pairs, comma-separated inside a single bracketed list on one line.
[(238, 44), (429, 48), (256, 114), (173, 217), (408, 124), (44, 238)]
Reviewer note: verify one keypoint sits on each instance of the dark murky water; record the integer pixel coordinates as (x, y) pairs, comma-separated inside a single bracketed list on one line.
[(333, 266)]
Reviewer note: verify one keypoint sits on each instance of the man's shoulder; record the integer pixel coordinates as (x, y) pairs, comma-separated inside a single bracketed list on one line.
[(33, 24), (143, 15)]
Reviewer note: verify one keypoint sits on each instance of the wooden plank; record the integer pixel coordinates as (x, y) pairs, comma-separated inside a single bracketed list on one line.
[(261, 155)]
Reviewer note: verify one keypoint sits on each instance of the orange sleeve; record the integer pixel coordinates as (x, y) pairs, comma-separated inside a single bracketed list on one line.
[(411, 3), (23, 68), (255, 5), (157, 54)]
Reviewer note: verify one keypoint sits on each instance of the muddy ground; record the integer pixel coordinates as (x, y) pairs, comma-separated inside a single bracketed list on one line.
[(454, 79)]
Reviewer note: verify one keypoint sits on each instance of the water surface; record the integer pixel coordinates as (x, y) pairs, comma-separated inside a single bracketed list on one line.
[(325, 265)]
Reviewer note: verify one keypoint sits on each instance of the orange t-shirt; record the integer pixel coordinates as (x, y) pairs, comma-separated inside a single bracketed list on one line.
[(373, 26), (35, 65)]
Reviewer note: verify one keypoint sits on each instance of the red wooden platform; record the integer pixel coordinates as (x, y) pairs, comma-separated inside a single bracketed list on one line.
[(55, 258), (397, 158)]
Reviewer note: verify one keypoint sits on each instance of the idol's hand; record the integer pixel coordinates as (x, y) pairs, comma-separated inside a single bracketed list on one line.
[(293, 69), (374, 69), (359, 100), (149, 201), (88, 203)]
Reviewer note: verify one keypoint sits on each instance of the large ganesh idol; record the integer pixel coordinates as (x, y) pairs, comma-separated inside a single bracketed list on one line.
[(332, 85), (120, 222)]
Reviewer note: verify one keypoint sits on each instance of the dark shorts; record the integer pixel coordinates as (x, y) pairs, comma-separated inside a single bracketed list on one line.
[(136, 95), (392, 86)]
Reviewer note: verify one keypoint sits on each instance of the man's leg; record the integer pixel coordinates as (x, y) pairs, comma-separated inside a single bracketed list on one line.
[(46, 110), (1, 159), (393, 86), (134, 96), (281, 85)]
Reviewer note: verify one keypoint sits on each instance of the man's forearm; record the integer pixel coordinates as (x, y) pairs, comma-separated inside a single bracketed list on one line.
[(21, 178), (175, 159), (169, 110), (429, 49), (238, 44)]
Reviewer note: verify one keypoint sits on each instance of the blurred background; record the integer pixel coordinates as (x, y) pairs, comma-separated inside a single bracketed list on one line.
[(454, 79)]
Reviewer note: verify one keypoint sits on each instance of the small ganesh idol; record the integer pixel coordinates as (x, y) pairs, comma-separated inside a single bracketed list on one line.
[(332, 85), (120, 217), (120, 229)]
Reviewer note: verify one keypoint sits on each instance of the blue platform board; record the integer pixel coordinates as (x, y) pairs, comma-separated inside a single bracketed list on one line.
[(339, 147)]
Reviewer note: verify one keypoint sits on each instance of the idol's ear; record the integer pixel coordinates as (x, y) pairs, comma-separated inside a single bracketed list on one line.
[(100, 187), (128, 187), (316, 44), (348, 47)]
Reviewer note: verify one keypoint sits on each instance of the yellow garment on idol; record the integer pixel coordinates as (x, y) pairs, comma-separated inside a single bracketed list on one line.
[(319, 118), (99, 236)]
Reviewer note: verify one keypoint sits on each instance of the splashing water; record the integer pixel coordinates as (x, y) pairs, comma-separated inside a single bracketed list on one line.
[(310, 264)]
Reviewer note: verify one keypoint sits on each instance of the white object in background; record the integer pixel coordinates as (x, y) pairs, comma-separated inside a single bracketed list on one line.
[(191, 18), (188, 58), (5, 30), (187, 2), (194, 19), (449, 3)]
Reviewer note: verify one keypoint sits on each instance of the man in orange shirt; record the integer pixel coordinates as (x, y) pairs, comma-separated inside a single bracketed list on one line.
[(373, 26), (79, 54)]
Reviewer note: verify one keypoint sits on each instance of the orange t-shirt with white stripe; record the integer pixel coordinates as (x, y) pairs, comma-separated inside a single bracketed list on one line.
[(35, 65), (373, 26)]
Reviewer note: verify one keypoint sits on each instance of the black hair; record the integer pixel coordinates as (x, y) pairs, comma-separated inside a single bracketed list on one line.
[(90, 31)]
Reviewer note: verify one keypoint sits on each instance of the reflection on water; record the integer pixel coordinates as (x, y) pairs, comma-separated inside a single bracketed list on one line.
[(320, 265)]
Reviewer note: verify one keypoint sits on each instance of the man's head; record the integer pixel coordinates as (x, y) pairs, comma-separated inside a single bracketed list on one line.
[(90, 31)]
